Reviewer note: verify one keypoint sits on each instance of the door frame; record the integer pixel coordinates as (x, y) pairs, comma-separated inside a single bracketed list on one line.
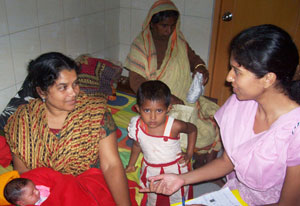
[(213, 44), (216, 27)]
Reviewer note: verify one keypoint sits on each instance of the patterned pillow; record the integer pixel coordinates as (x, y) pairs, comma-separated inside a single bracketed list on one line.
[(22, 97), (98, 76)]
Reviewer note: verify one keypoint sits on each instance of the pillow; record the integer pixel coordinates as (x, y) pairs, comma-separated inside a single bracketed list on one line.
[(98, 76), (22, 97)]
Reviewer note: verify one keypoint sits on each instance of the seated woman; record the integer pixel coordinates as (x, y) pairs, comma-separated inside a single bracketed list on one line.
[(64, 129), (259, 123), (160, 52)]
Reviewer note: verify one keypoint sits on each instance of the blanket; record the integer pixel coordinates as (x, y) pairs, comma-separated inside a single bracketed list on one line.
[(5, 154), (88, 188)]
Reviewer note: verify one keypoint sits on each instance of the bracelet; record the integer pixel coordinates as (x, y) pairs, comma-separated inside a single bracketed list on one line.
[(200, 65)]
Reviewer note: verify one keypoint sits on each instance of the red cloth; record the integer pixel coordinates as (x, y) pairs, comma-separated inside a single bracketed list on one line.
[(88, 188), (5, 154)]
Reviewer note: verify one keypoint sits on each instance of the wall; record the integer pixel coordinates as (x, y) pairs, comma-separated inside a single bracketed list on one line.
[(103, 28), (196, 20), (31, 27)]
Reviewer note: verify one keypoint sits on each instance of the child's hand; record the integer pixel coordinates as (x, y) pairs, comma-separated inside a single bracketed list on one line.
[(185, 159), (130, 168)]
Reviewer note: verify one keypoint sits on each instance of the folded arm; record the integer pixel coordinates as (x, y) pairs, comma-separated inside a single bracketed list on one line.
[(191, 130)]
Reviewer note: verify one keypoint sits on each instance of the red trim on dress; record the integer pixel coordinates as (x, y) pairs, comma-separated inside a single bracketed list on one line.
[(143, 127)]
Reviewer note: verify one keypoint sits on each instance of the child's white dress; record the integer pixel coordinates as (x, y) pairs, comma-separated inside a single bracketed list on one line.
[(161, 155)]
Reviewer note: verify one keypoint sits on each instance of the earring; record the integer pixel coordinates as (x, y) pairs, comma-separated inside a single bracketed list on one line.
[(43, 99)]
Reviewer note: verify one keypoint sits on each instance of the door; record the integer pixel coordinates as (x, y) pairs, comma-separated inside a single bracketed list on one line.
[(245, 13)]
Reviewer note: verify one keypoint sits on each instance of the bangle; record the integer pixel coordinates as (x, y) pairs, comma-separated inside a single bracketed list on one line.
[(200, 65)]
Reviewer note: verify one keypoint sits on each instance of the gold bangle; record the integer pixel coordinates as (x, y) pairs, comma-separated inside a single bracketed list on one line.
[(200, 65)]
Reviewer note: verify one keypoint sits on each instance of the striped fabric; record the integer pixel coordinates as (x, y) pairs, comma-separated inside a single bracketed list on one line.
[(142, 57), (30, 138)]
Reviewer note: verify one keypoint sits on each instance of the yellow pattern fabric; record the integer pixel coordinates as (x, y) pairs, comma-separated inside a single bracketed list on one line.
[(30, 138), (175, 72), (142, 58)]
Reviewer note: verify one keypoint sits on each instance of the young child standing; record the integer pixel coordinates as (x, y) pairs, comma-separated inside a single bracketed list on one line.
[(157, 135)]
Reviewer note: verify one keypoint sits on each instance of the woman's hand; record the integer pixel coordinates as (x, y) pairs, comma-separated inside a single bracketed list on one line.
[(204, 72), (166, 184), (19, 164), (176, 100)]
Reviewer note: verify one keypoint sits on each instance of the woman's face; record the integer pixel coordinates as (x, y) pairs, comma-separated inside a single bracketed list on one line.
[(245, 84), (61, 96), (164, 28)]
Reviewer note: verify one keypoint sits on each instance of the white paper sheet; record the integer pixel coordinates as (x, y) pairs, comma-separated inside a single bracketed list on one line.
[(222, 197)]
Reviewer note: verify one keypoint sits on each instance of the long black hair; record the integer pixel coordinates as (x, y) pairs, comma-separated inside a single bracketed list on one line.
[(268, 48), (45, 69)]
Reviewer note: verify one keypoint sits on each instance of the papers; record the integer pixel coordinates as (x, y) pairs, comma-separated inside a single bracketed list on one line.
[(218, 198)]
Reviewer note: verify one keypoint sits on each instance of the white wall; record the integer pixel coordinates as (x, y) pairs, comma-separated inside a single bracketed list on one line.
[(31, 27), (103, 28)]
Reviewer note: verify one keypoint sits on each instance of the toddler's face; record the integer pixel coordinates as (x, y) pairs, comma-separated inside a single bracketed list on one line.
[(153, 113), (30, 194)]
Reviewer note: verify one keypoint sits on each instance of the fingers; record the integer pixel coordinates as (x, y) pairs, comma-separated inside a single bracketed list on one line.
[(153, 187), (183, 163), (156, 178), (144, 190), (205, 74), (130, 169)]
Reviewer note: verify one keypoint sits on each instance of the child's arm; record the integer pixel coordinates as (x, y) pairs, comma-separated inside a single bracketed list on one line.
[(135, 151), (192, 136), (191, 130)]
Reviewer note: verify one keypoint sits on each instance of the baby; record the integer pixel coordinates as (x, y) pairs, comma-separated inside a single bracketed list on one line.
[(157, 135), (22, 191)]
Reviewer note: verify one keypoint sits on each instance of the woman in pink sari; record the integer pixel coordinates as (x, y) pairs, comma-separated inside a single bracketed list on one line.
[(259, 123)]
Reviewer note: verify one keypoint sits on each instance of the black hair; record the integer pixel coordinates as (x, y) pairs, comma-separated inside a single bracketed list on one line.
[(153, 90), (160, 16), (268, 48), (13, 189), (45, 69)]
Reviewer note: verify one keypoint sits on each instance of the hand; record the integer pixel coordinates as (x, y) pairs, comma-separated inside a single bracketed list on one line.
[(204, 72), (130, 169), (186, 158), (166, 184), (176, 100)]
